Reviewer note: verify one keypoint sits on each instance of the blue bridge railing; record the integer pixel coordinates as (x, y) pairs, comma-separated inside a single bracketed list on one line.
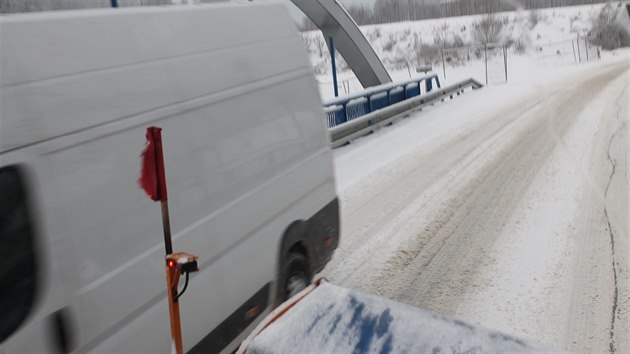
[(344, 109)]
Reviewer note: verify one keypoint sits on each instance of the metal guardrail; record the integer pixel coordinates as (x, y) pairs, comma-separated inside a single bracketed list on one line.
[(342, 133), (342, 110)]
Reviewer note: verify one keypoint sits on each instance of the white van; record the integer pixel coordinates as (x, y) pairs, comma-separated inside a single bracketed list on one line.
[(248, 166)]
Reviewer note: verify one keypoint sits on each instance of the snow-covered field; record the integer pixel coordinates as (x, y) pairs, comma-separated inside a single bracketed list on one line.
[(507, 207)]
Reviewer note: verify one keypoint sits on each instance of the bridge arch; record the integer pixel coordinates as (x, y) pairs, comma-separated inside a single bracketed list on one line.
[(334, 21)]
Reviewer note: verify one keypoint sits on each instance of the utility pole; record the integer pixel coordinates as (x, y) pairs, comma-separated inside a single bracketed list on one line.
[(578, 45), (443, 65), (485, 55), (586, 47), (505, 61)]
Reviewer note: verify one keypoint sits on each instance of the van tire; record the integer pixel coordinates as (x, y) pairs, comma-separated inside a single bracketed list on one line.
[(297, 275)]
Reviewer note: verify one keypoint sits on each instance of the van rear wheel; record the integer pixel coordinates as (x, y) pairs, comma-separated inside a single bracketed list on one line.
[(297, 275)]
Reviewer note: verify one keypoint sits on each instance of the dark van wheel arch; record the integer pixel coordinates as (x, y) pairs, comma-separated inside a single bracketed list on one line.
[(305, 248)]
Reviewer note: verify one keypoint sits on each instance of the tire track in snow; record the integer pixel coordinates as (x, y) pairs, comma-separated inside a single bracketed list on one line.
[(433, 269), (373, 219)]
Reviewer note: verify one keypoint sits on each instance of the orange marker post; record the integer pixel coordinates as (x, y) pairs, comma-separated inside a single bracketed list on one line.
[(153, 182)]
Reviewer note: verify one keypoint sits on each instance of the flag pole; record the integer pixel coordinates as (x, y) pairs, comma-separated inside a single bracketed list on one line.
[(172, 279), (162, 190), (155, 186)]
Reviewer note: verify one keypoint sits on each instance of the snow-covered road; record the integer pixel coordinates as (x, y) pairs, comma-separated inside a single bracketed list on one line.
[(507, 207)]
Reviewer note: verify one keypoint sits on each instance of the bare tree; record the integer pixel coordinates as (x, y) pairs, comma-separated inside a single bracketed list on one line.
[(488, 29), (384, 11), (606, 31), (440, 35)]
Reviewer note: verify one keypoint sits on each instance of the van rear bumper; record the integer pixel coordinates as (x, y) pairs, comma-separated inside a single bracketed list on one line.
[(324, 231)]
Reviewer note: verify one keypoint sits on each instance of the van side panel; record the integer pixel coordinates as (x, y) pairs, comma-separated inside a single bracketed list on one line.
[(66, 71), (231, 170)]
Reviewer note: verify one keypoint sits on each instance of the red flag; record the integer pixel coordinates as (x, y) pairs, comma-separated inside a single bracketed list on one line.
[(152, 176)]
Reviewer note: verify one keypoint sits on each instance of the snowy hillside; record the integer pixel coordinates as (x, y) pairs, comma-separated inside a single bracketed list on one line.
[(403, 46)]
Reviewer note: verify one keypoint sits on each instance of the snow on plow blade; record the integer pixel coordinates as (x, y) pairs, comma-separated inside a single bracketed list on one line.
[(326, 318)]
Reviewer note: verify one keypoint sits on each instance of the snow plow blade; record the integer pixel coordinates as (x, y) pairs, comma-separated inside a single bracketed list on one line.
[(326, 318)]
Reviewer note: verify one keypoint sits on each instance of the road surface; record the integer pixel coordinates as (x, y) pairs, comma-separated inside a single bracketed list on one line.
[(505, 209)]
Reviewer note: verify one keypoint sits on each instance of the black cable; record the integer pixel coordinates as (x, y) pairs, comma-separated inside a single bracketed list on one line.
[(184, 289)]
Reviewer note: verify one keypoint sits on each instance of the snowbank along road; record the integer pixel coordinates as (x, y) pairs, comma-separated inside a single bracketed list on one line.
[(507, 208)]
